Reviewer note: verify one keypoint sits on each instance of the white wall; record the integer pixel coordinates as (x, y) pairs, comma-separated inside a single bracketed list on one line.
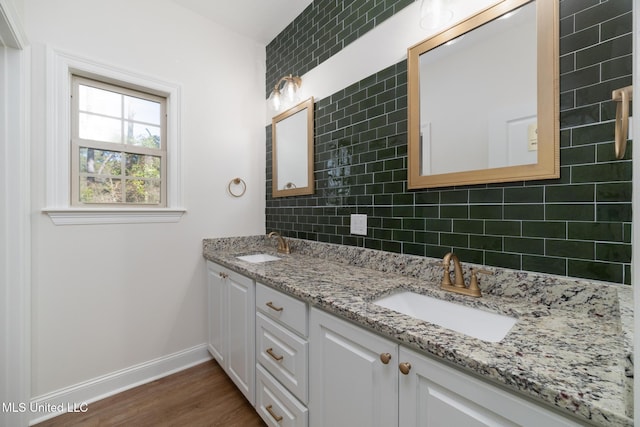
[(18, 6), (108, 297)]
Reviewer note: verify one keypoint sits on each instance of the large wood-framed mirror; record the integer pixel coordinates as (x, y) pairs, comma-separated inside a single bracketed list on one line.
[(484, 98), (292, 154)]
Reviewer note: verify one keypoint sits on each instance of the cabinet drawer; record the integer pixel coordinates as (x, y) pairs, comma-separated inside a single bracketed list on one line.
[(274, 401), (283, 354), (288, 310)]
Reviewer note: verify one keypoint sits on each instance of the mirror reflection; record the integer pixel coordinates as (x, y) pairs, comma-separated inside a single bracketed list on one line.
[(292, 157), (483, 99)]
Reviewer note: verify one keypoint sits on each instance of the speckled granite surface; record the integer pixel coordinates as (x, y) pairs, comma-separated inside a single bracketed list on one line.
[(570, 349)]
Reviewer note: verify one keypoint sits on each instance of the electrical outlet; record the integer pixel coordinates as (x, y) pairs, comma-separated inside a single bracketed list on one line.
[(359, 224)]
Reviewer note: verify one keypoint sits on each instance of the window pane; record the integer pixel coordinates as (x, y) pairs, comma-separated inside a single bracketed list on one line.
[(99, 128), (100, 101), (143, 191), (141, 166), (143, 135), (96, 190), (142, 110), (119, 134), (100, 162)]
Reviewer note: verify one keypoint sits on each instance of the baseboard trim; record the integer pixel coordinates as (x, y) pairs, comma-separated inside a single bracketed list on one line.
[(76, 398)]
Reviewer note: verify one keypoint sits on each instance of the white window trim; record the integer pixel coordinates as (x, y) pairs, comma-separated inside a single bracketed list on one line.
[(60, 66)]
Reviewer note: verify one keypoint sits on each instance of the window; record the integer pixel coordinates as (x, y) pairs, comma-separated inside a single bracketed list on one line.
[(112, 144), (118, 146)]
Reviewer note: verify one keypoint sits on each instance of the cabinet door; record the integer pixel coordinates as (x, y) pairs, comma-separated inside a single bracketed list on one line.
[(433, 394), (217, 316), (241, 306), (349, 383)]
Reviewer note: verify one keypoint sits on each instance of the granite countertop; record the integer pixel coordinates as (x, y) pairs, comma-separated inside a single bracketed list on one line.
[(571, 347)]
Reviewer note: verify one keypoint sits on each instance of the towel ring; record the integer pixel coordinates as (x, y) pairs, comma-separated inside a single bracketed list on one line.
[(237, 181)]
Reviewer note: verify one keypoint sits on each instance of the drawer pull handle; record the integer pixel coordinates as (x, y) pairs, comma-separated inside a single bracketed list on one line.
[(273, 307), (273, 355), (385, 358), (224, 275), (405, 367), (269, 409)]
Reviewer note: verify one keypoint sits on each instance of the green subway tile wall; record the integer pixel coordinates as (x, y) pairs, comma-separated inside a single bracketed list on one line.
[(323, 29), (578, 225)]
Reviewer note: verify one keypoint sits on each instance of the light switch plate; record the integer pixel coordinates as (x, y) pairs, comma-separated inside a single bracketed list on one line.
[(359, 224)]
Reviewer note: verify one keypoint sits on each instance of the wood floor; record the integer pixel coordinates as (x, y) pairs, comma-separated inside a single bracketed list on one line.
[(198, 396)]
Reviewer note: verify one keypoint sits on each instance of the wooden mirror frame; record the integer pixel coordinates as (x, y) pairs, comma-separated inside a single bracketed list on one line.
[(548, 165), (293, 191)]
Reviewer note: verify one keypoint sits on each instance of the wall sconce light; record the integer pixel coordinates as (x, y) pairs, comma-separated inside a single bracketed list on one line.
[(434, 13), (286, 95)]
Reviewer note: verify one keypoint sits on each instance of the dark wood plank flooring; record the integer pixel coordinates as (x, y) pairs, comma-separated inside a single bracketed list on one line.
[(199, 396)]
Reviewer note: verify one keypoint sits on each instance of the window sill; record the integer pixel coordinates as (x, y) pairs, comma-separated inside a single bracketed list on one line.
[(83, 216)]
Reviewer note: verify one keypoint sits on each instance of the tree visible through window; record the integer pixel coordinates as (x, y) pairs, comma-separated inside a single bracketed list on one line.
[(118, 145)]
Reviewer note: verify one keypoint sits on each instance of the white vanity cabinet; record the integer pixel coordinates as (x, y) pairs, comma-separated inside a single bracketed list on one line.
[(350, 385), (282, 358), (353, 375), (304, 367), (231, 321)]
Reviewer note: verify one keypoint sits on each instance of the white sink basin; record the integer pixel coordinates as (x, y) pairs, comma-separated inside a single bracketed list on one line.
[(257, 258), (470, 321)]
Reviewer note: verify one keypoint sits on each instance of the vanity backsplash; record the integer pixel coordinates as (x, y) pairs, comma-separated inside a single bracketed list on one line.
[(592, 298)]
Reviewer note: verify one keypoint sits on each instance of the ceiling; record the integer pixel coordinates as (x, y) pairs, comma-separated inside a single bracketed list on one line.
[(260, 20)]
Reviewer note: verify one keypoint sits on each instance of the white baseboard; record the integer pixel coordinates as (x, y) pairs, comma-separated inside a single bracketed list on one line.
[(77, 398)]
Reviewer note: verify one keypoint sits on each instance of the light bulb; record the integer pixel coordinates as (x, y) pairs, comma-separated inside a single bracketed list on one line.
[(433, 14), (275, 100), (290, 91)]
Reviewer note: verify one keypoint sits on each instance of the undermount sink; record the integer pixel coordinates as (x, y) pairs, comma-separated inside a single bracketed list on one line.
[(470, 321), (258, 258)]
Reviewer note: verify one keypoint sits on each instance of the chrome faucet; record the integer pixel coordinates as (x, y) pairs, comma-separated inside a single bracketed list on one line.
[(458, 286), (283, 245)]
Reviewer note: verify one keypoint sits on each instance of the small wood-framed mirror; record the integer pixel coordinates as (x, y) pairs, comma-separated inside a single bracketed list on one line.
[(484, 98), (292, 155)]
